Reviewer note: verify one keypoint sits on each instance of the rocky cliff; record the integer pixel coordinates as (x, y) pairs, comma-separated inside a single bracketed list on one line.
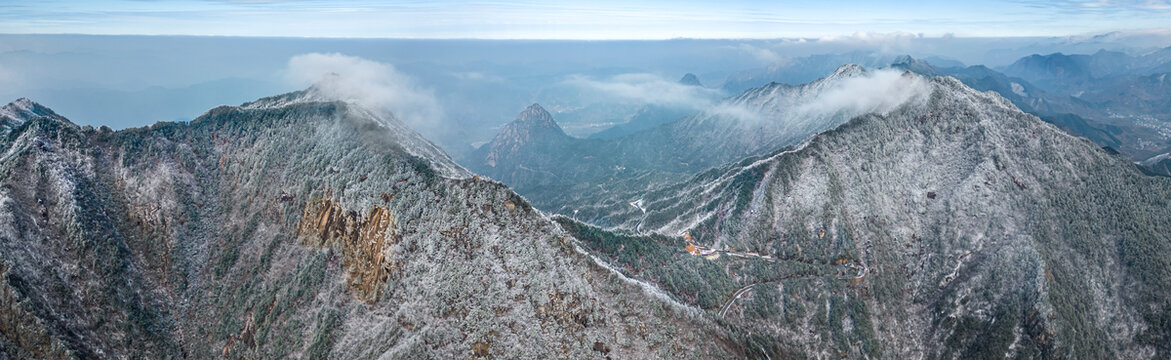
[(297, 227)]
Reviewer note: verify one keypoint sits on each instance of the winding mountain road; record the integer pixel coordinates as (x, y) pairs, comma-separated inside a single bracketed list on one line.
[(862, 270), (736, 295)]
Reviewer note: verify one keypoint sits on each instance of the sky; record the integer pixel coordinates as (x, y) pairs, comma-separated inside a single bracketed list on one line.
[(580, 19)]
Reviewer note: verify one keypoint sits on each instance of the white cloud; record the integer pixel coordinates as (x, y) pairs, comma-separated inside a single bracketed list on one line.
[(369, 83), (878, 91), (817, 107), (648, 89), (1156, 5), (477, 76), (1119, 4), (739, 112), (763, 54), (8, 78), (885, 42)]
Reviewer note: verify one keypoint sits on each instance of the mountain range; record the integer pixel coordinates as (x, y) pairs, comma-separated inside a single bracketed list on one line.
[(1058, 72), (296, 226), (555, 170), (887, 213), (956, 227), (1115, 99)]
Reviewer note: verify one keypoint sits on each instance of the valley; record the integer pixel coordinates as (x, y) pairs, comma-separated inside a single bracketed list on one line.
[(857, 204)]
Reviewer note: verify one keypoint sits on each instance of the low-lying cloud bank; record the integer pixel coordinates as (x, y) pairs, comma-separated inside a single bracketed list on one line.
[(647, 89), (369, 83), (826, 104), (7, 77), (877, 91), (762, 54), (836, 100)]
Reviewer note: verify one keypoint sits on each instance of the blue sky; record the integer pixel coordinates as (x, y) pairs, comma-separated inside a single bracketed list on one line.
[(580, 19)]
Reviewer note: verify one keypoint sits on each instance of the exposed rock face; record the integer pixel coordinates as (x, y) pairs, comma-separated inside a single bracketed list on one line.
[(533, 128), (364, 242), (949, 226), (298, 227)]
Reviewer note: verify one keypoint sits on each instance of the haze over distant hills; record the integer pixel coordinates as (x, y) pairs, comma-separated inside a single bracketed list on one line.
[(1121, 108), (131, 81), (296, 226), (939, 229), (929, 219), (875, 196), (553, 169)]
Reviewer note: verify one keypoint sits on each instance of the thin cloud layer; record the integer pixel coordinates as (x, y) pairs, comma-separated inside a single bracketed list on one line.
[(765, 55), (1102, 6), (648, 89), (878, 91), (369, 83), (478, 76), (7, 77), (824, 105), (574, 19), (898, 41)]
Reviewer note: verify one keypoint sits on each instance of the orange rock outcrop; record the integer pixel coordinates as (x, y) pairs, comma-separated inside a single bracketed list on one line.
[(364, 241)]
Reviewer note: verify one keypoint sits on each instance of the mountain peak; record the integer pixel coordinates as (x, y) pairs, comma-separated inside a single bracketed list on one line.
[(910, 61), (534, 126), (690, 79), (321, 104), (311, 94), (22, 102), (1006, 157), (536, 110), (535, 116), (24, 109), (17, 112), (331, 87), (849, 70), (920, 66)]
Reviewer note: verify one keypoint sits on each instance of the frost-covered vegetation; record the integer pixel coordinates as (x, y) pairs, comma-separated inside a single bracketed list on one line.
[(983, 231), (948, 224), (559, 172), (181, 240)]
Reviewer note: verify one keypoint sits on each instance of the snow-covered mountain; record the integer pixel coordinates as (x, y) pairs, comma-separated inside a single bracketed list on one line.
[(556, 171), (952, 227), (869, 214), (16, 113), (1114, 107), (297, 226), (1158, 164)]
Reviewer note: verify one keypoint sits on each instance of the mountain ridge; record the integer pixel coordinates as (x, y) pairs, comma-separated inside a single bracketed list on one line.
[(944, 223), (300, 230), (558, 170), (1120, 113), (956, 216)]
